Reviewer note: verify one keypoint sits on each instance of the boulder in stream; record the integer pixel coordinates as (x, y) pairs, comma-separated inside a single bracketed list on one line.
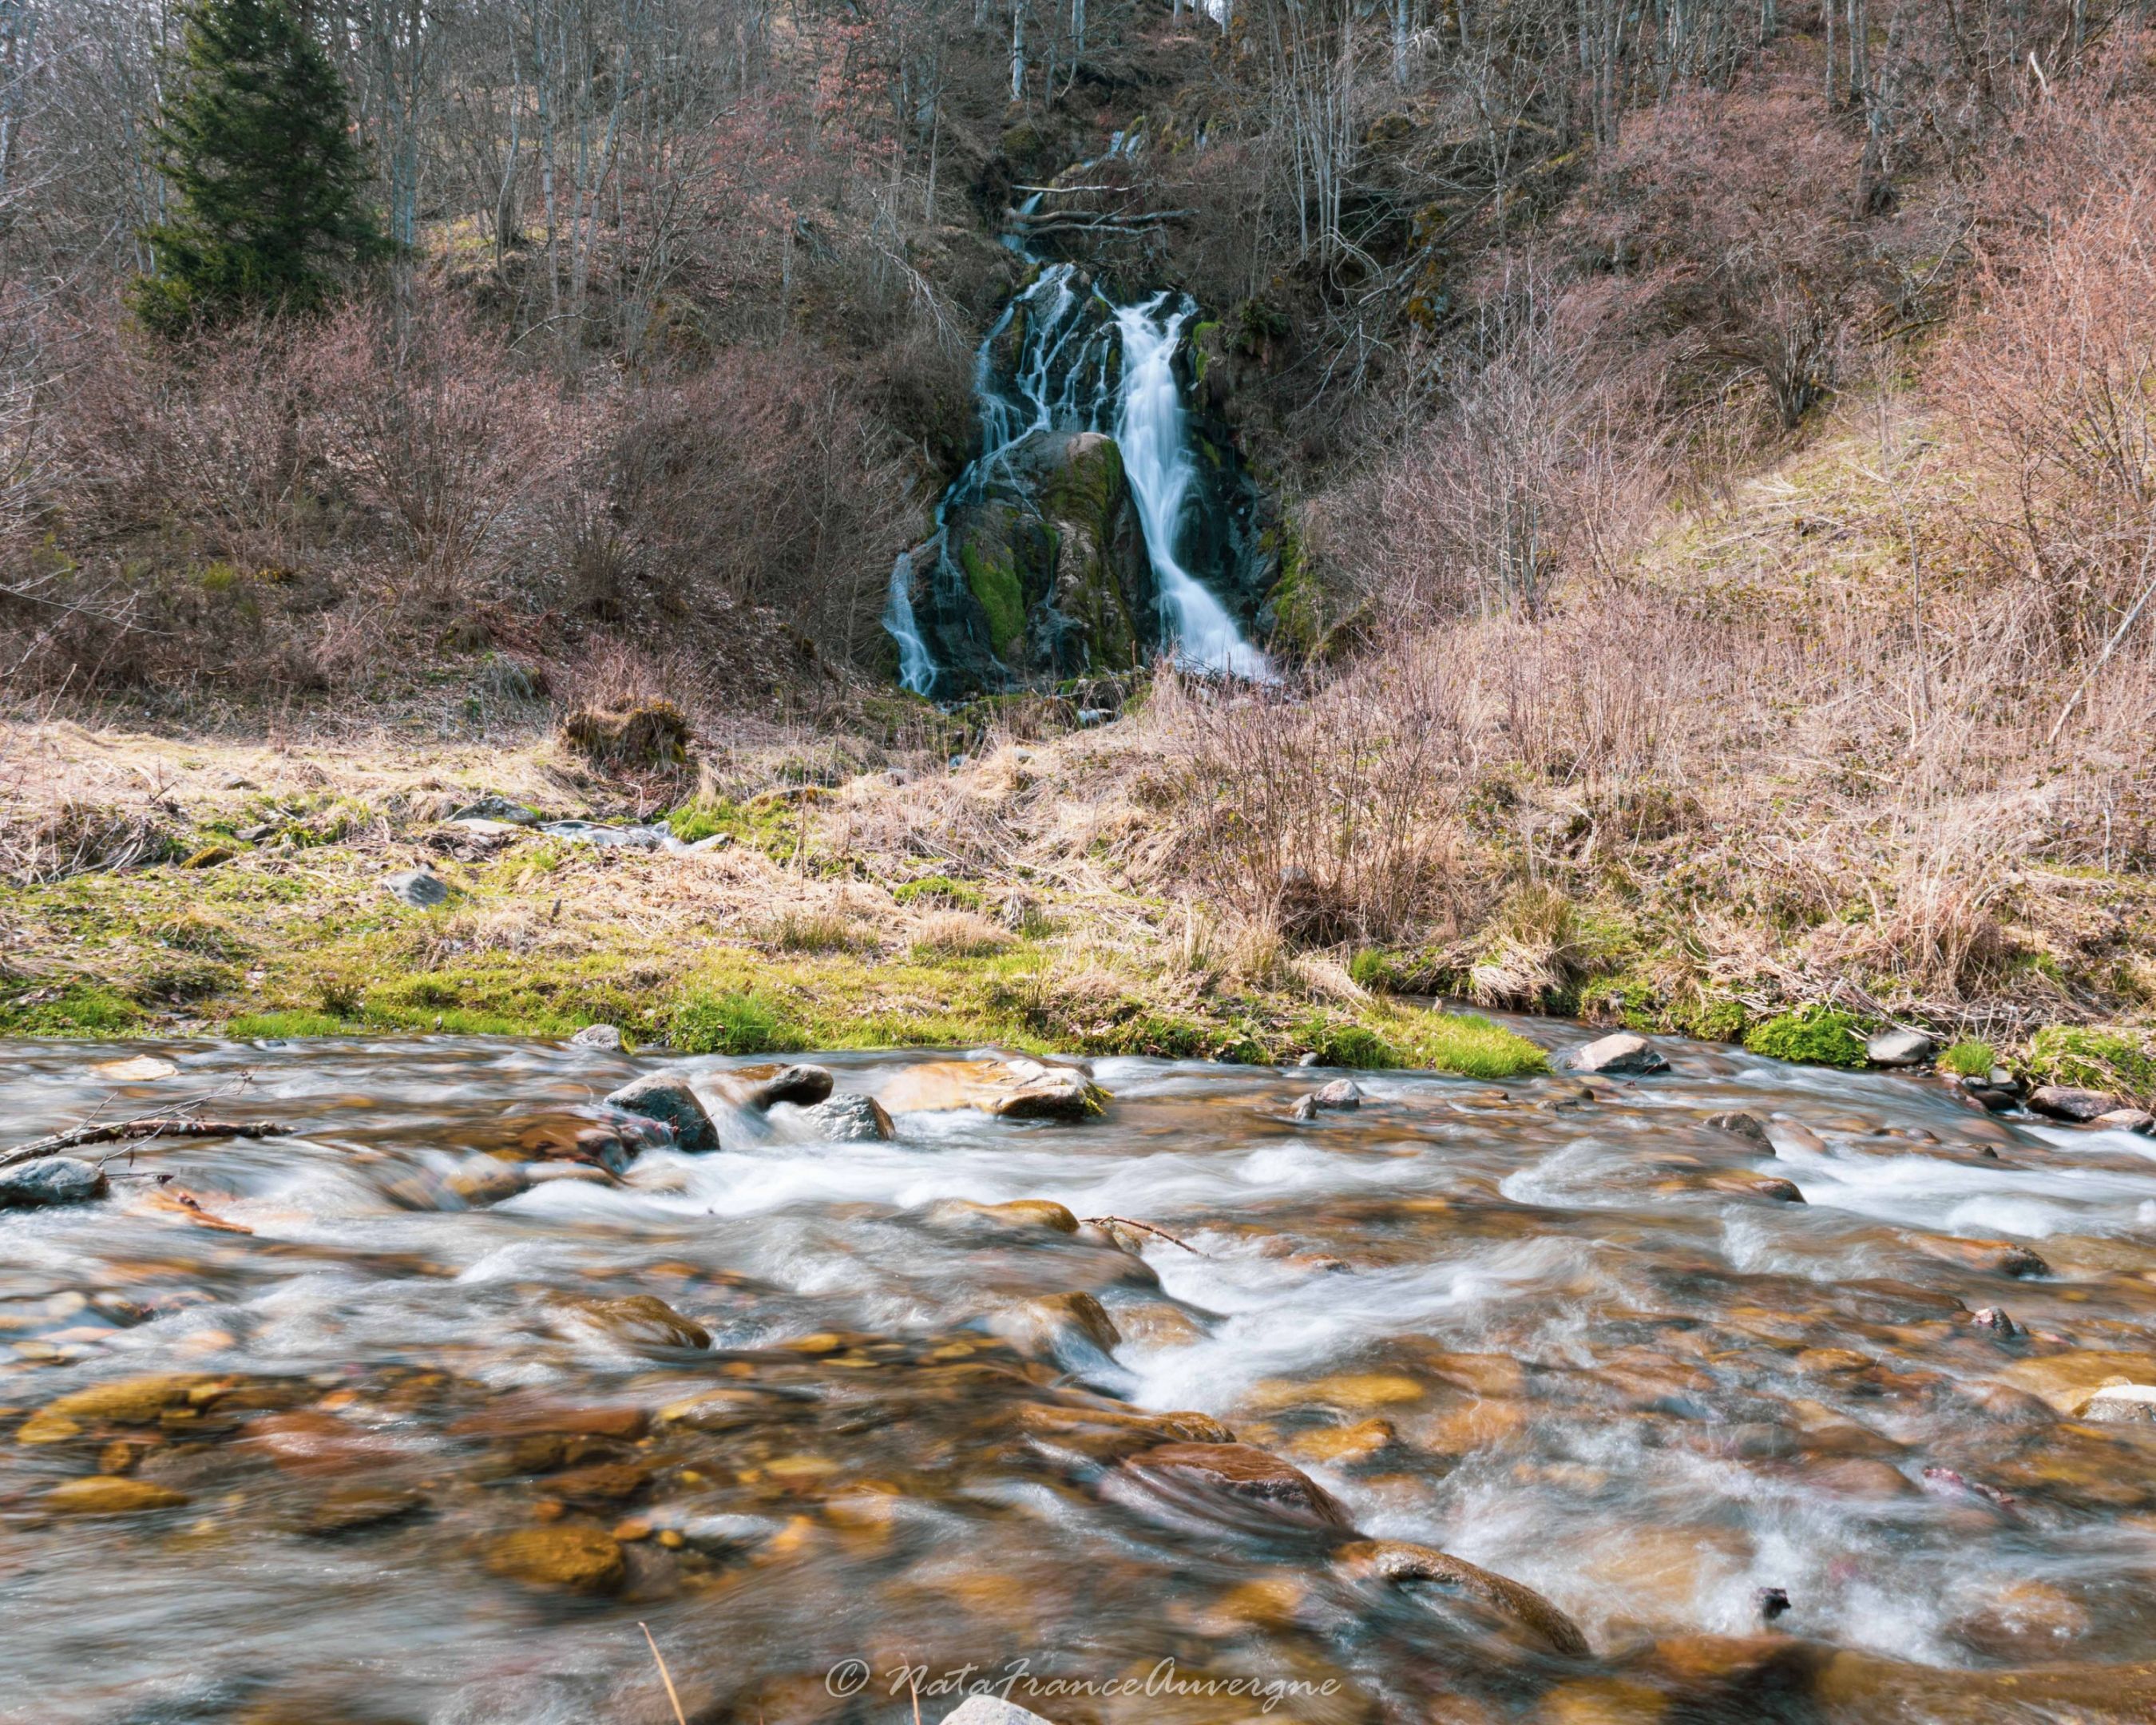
[(804, 1086), (2122, 1404), (667, 1098), (51, 1181), (986, 1709), (578, 1559), (1623, 1053), (605, 1036), (849, 1118)]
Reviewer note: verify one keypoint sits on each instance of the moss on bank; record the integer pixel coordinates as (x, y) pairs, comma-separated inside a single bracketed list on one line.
[(546, 938)]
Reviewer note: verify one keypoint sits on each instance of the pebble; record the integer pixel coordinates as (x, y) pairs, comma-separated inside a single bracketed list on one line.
[(52, 1181), (1623, 1053), (667, 1099)]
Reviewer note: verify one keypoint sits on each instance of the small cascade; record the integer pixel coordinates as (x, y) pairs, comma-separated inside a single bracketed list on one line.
[(1063, 359), (1157, 457), (916, 664)]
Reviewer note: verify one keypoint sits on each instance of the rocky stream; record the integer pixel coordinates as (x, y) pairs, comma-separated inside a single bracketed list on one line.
[(1152, 1391)]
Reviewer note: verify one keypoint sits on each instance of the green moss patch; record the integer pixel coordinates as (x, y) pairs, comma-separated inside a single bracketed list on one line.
[(2090, 1058), (1812, 1036)]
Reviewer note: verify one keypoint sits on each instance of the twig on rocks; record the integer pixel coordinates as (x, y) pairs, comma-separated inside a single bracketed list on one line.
[(1146, 1228), (150, 1126)]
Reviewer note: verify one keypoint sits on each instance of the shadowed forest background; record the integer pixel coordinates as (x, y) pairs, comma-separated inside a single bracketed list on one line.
[(1714, 449)]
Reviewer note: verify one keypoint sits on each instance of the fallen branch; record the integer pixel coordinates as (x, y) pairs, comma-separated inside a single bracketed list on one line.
[(150, 1126), (1144, 1228)]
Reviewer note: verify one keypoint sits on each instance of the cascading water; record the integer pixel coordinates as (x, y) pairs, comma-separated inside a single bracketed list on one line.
[(1157, 456), (1065, 378)]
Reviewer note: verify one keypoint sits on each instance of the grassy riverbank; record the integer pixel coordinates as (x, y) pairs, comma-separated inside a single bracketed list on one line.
[(1039, 895), (243, 896)]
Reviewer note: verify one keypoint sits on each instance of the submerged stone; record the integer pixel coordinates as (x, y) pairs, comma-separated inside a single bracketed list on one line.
[(1245, 1474), (1400, 1563), (581, 1560), (804, 1086), (111, 1494)]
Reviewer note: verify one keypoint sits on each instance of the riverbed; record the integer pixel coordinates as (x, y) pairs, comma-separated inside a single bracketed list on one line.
[(1786, 1427)]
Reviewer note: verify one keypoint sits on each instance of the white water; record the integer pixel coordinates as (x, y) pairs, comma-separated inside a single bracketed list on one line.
[(916, 664), (1059, 383), (1157, 458)]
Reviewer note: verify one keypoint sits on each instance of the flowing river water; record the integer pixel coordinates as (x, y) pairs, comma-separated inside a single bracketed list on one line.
[(832, 1428)]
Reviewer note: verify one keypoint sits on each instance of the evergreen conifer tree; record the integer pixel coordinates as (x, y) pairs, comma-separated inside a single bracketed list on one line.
[(268, 204)]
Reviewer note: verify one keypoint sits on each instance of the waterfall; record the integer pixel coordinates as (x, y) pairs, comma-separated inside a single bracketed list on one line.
[(916, 664), (1159, 462), (1061, 381)]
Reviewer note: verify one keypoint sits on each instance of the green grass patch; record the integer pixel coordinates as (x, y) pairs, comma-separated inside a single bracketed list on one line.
[(1463, 1043), (938, 889), (2088, 1058), (737, 1023), (1971, 1059), (286, 1026), (1812, 1036), (80, 1010)]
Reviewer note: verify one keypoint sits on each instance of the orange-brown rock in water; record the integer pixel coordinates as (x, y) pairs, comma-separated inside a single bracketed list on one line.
[(1245, 1474)]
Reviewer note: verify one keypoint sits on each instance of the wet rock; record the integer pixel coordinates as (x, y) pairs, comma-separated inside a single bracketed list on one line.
[(804, 1086), (2120, 1404), (420, 888), (1245, 1476), (50, 1181), (1997, 1257), (1342, 1445), (1996, 1321), (1622, 1053), (1738, 1184), (1740, 1125), (1057, 1325), (2065, 1381), (571, 1137), (605, 1483), (136, 1068), (1773, 1602), (1104, 1435), (1900, 1048), (527, 1416), (1047, 1093), (1341, 1094), (2063, 1102), (1400, 1564), (986, 1709), (111, 1494), (640, 1319), (484, 1180), (1017, 1090), (605, 1036), (1021, 1218), (667, 1099), (1602, 1701), (1304, 1107), (356, 1508), (2022, 1621), (851, 1118), (2127, 1120), (581, 1560), (1861, 1478), (128, 1401)]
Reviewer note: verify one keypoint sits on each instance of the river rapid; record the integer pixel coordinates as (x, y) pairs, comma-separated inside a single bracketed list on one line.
[(837, 1431)]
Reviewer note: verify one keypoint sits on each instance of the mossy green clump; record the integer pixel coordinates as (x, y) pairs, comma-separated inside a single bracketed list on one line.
[(1463, 1043), (938, 889), (698, 820), (737, 1023), (2090, 1058), (995, 584), (1971, 1059), (1812, 1036), (79, 1010)]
